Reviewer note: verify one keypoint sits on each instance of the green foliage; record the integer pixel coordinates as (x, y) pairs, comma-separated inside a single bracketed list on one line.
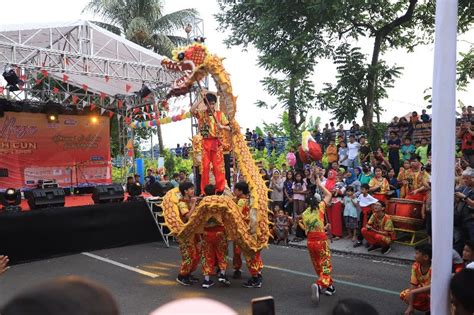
[(349, 95), (465, 68), (275, 159), (117, 175), (288, 40), (143, 22), (174, 164)]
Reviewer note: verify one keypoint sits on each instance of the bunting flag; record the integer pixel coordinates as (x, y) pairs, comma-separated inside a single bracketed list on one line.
[(111, 114), (92, 106), (65, 77), (37, 81), (102, 111), (23, 78), (156, 122), (147, 108), (85, 87), (127, 87), (44, 73), (66, 96), (84, 103), (55, 90), (111, 100), (75, 99), (119, 104), (102, 96), (119, 116)]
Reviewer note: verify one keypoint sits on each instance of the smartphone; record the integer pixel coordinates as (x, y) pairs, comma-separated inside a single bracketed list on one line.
[(263, 306)]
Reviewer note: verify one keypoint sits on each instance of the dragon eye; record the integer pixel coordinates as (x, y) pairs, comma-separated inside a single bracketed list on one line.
[(181, 56)]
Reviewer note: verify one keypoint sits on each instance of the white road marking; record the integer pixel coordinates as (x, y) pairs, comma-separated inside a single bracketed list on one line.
[(116, 263)]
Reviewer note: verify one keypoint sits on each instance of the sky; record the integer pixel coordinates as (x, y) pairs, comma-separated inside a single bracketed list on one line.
[(406, 96)]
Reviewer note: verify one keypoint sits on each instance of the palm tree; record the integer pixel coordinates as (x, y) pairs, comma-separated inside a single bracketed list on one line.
[(143, 22)]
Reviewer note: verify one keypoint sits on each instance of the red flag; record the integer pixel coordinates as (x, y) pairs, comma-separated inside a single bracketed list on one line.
[(44, 73), (127, 87), (85, 87), (111, 114), (92, 106), (65, 77), (55, 90), (107, 78), (75, 99), (37, 81), (102, 95), (120, 103)]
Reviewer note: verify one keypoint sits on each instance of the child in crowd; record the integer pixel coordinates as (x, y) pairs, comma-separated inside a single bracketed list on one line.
[(393, 184), (350, 213), (365, 201), (407, 149), (351, 179), (331, 152), (422, 151), (417, 297), (468, 254), (281, 227), (299, 194), (343, 155), (403, 178), (288, 192), (366, 175)]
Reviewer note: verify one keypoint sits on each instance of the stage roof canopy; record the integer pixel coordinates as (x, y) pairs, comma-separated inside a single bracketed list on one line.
[(87, 53)]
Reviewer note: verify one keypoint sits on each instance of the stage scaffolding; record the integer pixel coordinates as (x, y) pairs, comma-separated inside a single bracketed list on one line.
[(80, 63)]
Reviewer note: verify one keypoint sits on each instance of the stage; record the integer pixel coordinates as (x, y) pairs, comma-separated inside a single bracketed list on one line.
[(77, 227)]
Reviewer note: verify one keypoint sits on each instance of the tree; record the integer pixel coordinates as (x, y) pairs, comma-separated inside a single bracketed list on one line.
[(391, 25), (143, 22), (288, 40)]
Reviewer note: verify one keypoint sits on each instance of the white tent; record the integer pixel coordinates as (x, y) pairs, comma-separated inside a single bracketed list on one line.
[(88, 54)]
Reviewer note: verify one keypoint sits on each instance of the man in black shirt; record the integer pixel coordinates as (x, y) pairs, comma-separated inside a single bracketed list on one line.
[(394, 151), (149, 179)]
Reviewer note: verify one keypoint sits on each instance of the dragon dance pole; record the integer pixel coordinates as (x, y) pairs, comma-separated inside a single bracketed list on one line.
[(443, 144)]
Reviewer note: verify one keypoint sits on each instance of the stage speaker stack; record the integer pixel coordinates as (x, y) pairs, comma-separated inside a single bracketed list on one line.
[(108, 193), (45, 198)]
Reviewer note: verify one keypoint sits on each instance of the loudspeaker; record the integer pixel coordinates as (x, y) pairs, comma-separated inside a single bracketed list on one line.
[(108, 193), (158, 190), (45, 198)]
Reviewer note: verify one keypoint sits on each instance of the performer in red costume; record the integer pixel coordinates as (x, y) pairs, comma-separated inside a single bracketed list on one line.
[(211, 120), (254, 263), (189, 248), (318, 245), (214, 248)]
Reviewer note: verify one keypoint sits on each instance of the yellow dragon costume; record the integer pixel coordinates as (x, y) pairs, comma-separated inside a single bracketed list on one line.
[(197, 64)]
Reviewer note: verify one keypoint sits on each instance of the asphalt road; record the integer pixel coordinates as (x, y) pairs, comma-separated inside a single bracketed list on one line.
[(287, 277)]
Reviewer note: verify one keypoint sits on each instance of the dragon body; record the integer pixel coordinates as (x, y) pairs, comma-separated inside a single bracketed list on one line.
[(251, 235)]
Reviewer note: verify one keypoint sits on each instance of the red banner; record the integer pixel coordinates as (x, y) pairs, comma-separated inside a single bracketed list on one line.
[(73, 151)]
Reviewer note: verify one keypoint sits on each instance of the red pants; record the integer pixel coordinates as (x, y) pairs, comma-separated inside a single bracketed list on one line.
[(375, 238), (191, 255), (320, 254), (366, 212), (212, 154), (335, 218), (214, 247), (421, 302), (254, 264)]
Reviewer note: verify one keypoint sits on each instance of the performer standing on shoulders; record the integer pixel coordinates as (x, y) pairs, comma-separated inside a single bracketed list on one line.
[(189, 248), (318, 244), (211, 120)]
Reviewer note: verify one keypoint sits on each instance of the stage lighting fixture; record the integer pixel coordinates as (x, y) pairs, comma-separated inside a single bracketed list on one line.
[(10, 199), (12, 80), (52, 118), (94, 120)]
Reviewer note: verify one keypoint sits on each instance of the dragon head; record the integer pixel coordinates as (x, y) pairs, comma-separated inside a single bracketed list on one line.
[(190, 61)]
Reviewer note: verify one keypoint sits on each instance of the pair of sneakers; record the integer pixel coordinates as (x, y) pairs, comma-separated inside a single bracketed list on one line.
[(221, 278), (254, 282), (186, 280), (316, 291)]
